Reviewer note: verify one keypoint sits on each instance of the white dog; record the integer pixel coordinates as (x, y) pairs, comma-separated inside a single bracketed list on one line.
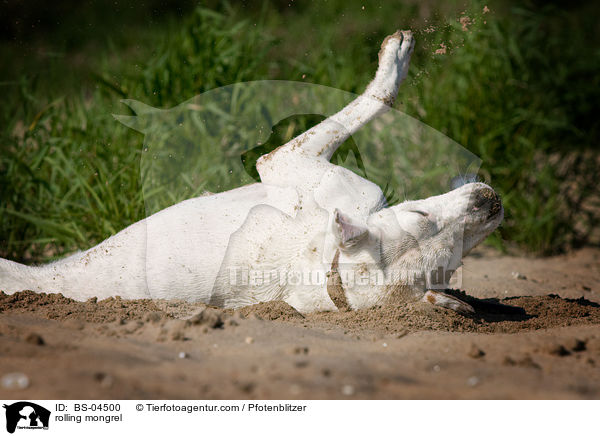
[(309, 221)]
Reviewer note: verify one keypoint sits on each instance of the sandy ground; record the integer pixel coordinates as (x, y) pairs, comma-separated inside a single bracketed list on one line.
[(536, 334)]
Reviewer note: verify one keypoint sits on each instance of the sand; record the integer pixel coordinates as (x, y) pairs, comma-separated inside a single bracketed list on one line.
[(535, 334)]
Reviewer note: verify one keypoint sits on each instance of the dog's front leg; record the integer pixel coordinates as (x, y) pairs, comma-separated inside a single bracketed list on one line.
[(442, 299)]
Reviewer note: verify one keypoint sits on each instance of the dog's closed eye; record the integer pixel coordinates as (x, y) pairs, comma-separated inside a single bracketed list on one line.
[(420, 212)]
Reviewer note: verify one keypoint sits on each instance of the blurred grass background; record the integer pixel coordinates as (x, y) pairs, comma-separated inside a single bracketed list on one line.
[(515, 83)]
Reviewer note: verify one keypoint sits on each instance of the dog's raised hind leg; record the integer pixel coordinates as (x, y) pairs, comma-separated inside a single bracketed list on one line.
[(322, 140), (394, 59)]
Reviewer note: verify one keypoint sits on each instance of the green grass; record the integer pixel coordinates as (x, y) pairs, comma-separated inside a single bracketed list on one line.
[(519, 91)]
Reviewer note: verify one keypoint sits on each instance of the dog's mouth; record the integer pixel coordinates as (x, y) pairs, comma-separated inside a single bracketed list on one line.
[(494, 211), (486, 203)]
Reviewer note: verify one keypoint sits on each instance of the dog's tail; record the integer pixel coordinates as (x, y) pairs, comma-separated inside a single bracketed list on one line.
[(98, 272), (17, 277)]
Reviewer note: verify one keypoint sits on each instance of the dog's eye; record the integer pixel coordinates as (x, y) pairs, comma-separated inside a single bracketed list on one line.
[(420, 212)]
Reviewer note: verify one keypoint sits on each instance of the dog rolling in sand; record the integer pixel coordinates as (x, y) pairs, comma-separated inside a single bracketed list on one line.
[(309, 223)]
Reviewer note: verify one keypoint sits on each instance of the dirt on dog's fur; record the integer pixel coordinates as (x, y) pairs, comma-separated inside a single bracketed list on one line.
[(535, 334)]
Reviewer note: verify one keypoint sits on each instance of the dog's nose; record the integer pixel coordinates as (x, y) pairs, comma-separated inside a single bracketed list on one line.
[(487, 198)]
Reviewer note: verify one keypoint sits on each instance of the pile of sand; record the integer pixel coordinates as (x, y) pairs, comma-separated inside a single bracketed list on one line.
[(509, 315)]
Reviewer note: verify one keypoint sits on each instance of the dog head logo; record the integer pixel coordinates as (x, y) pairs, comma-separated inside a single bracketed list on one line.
[(211, 142), (26, 415)]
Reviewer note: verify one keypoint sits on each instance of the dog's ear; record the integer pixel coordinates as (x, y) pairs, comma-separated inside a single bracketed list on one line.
[(347, 232)]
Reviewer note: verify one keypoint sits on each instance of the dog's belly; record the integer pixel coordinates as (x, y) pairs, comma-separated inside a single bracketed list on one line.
[(187, 242)]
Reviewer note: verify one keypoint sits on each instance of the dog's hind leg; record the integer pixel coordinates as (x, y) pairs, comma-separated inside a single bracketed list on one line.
[(322, 140)]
